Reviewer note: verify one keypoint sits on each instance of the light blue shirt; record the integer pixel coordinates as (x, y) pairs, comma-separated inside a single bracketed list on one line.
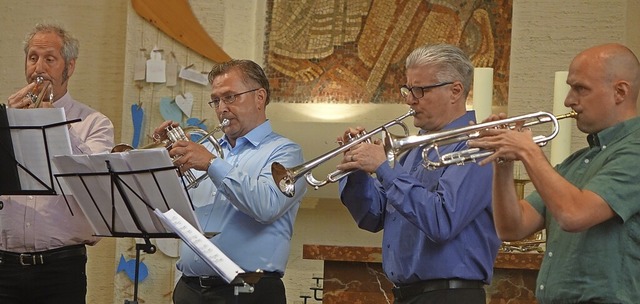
[(242, 202), (437, 224)]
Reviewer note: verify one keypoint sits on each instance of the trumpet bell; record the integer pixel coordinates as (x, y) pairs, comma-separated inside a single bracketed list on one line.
[(285, 178)]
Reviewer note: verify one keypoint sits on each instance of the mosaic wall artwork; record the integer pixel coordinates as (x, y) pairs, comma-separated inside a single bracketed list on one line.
[(353, 51)]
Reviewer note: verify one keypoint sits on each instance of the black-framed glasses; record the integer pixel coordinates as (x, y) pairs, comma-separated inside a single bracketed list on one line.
[(418, 92), (215, 102)]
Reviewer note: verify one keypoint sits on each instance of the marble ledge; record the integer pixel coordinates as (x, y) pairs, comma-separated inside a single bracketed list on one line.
[(505, 260)]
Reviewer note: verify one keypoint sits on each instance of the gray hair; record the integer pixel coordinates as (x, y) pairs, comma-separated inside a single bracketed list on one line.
[(251, 72), (454, 64), (70, 45)]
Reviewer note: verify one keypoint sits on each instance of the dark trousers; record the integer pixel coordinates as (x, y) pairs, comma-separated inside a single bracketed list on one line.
[(60, 281), (268, 290), (448, 296)]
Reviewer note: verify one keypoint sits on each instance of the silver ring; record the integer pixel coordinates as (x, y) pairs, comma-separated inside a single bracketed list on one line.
[(32, 97)]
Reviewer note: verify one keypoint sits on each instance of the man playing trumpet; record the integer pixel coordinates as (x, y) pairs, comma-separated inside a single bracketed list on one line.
[(42, 244), (589, 202), (439, 242), (240, 199)]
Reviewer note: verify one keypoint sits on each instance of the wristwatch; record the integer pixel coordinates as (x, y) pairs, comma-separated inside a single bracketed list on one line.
[(211, 161)]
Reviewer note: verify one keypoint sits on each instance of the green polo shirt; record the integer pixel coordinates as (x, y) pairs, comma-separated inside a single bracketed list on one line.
[(601, 264)]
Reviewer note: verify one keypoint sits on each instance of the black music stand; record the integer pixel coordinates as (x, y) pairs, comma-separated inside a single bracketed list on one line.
[(32, 182), (119, 201)]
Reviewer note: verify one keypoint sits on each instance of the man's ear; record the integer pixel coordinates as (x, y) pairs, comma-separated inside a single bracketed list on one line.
[(71, 67), (261, 96), (456, 91), (621, 91)]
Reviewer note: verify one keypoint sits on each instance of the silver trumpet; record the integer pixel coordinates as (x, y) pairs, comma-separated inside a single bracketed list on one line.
[(40, 90), (286, 178), (396, 145), (175, 134)]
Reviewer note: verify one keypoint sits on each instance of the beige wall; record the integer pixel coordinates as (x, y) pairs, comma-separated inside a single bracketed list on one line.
[(546, 35)]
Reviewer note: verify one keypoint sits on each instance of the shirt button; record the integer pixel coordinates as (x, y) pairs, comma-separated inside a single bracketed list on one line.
[(541, 287), (586, 161), (604, 147), (550, 254)]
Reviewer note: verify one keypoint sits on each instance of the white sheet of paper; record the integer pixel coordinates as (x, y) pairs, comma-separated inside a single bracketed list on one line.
[(140, 67), (86, 189), (141, 189), (156, 68), (171, 72), (194, 238), (194, 76), (29, 144)]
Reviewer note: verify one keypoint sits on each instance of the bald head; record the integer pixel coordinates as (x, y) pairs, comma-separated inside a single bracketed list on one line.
[(617, 63), (605, 81)]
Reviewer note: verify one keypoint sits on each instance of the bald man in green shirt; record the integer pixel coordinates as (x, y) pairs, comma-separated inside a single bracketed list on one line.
[(590, 203)]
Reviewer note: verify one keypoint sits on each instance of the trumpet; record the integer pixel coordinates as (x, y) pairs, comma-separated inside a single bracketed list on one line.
[(39, 91), (175, 134), (285, 178), (395, 145)]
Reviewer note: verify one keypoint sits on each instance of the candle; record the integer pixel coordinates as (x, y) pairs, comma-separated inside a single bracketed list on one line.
[(561, 144), (482, 92)]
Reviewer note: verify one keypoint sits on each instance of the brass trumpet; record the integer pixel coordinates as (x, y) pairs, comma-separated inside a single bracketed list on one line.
[(176, 134), (39, 91), (285, 178), (396, 145)]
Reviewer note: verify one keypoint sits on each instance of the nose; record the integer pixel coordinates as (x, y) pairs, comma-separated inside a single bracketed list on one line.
[(570, 99), (39, 66), (222, 108), (410, 100)]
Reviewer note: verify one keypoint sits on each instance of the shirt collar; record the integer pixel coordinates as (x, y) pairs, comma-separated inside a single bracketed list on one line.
[(613, 133), (64, 101), (459, 122), (254, 136)]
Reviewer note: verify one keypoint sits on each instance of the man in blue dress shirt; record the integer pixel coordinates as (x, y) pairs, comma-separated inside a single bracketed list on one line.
[(239, 199), (439, 242)]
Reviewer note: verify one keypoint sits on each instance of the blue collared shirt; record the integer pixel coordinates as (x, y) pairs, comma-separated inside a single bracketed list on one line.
[(436, 224), (242, 202)]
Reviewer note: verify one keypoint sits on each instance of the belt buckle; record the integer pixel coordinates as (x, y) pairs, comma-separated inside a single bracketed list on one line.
[(200, 281), (28, 259)]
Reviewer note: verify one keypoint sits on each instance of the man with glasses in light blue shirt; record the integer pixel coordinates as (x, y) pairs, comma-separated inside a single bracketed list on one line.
[(240, 199)]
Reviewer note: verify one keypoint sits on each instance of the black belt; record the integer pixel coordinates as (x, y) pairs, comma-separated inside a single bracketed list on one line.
[(414, 289), (210, 282), (42, 257)]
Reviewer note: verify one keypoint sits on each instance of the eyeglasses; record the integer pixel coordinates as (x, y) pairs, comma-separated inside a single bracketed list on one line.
[(215, 102), (418, 92)]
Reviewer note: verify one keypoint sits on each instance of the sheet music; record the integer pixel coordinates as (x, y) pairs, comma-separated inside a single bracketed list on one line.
[(109, 212), (29, 145), (209, 252)]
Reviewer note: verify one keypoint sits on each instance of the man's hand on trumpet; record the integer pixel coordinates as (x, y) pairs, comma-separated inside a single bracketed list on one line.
[(21, 99), (188, 154), (508, 144), (160, 133), (364, 156), (185, 154)]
